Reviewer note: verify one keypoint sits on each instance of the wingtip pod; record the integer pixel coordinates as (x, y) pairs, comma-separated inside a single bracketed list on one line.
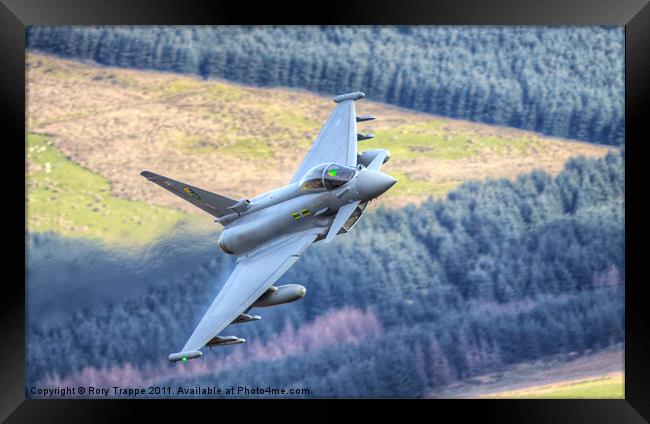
[(184, 356), (349, 96)]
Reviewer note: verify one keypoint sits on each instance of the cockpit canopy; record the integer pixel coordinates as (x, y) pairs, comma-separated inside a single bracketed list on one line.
[(326, 175)]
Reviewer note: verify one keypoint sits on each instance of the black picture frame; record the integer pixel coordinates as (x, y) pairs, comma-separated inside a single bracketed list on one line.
[(16, 15)]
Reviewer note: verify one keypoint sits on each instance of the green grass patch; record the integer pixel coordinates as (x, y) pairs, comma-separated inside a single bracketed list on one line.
[(219, 91), (283, 116), (428, 139), (179, 86), (608, 387), (255, 148), (413, 187), (70, 200)]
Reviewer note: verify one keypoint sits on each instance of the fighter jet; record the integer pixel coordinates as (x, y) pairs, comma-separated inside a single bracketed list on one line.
[(268, 233)]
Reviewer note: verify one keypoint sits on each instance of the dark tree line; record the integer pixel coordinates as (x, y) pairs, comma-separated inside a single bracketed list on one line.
[(413, 359), (499, 272), (566, 82)]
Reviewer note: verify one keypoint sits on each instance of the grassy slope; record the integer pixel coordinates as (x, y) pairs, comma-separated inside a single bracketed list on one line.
[(76, 202), (609, 386), (592, 375), (235, 140)]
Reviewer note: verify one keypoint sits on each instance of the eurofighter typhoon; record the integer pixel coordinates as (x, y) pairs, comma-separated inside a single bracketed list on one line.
[(267, 234)]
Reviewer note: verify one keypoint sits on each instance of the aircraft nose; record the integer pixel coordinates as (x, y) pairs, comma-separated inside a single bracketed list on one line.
[(373, 183)]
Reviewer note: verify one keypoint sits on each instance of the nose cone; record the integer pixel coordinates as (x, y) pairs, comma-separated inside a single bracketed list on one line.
[(373, 183)]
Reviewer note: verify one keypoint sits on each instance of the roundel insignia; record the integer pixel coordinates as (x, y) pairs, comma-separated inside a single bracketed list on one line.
[(191, 192)]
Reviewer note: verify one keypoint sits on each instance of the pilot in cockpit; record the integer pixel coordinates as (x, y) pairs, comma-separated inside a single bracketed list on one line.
[(327, 176)]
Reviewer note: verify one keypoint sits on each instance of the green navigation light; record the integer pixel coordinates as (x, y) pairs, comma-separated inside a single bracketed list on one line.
[(332, 173), (184, 359)]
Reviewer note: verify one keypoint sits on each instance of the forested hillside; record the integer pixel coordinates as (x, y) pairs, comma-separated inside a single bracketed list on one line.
[(411, 299), (562, 81)]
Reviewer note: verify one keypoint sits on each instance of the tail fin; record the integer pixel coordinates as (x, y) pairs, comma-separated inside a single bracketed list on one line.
[(214, 204)]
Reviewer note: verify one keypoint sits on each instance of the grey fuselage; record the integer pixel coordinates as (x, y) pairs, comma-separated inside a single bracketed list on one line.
[(293, 208)]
